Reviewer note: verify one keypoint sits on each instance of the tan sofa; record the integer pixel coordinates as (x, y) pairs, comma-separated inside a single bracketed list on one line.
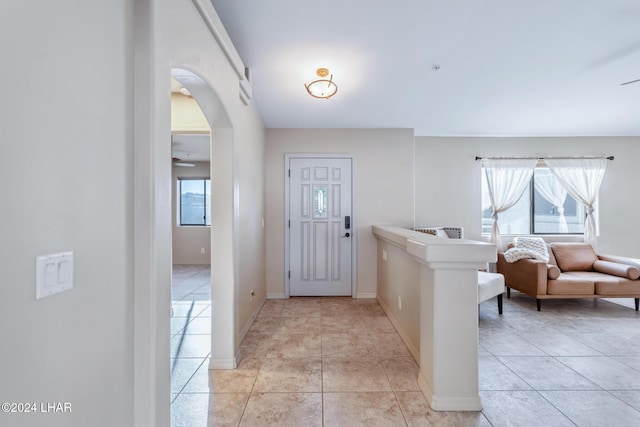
[(574, 271)]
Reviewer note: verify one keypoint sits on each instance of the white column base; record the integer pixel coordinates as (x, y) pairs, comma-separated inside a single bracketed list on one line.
[(224, 363), (448, 403)]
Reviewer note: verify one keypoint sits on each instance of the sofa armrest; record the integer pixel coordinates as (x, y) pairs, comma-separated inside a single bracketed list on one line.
[(526, 275)]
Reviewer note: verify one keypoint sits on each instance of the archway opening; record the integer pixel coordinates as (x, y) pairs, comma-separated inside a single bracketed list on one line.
[(222, 201)]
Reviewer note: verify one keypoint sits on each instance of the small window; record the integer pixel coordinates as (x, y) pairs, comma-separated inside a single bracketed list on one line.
[(547, 216), (195, 196), (516, 220), (536, 214), (320, 201)]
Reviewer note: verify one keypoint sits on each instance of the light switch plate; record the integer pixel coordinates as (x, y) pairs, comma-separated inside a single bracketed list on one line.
[(54, 274)]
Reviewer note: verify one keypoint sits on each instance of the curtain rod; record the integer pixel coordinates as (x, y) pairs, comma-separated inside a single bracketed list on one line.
[(542, 158)]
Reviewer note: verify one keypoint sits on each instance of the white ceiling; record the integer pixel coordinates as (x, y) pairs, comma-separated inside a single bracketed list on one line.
[(507, 67), (191, 147)]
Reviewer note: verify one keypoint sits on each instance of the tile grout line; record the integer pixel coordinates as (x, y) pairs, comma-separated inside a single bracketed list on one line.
[(190, 377)]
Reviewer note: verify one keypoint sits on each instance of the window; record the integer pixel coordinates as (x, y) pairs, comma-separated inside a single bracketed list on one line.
[(536, 214), (195, 196)]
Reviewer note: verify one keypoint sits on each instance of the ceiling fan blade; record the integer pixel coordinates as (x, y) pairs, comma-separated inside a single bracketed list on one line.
[(628, 83), (178, 162)]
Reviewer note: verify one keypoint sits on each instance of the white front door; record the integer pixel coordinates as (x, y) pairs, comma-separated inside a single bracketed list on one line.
[(321, 226)]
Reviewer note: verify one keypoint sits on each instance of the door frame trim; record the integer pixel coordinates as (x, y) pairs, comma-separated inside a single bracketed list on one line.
[(354, 233)]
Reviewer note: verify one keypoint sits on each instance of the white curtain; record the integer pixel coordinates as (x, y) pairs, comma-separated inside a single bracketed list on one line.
[(551, 189), (581, 178), (507, 179)]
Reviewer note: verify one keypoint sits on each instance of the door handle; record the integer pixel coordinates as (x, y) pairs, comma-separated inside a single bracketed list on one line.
[(346, 235)]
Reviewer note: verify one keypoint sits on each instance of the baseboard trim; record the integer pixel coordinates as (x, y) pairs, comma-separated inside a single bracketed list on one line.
[(448, 403), (276, 296), (224, 363), (470, 404), (366, 295)]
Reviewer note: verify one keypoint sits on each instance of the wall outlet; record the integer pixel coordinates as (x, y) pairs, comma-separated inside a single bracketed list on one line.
[(384, 255), (201, 250), (399, 302), (251, 295)]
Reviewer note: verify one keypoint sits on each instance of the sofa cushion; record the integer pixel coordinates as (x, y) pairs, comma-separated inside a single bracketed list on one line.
[(617, 269), (619, 287), (552, 258), (553, 272), (567, 284), (606, 284), (594, 276), (574, 256)]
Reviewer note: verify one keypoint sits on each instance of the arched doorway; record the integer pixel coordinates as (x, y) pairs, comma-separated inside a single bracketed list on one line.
[(171, 41), (223, 317)]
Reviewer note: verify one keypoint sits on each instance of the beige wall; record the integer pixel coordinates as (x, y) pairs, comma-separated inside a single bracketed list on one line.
[(188, 241), (383, 190), (249, 155), (448, 188), (186, 115), (399, 283)]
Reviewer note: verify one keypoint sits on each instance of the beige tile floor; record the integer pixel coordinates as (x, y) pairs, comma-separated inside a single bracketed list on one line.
[(339, 362)]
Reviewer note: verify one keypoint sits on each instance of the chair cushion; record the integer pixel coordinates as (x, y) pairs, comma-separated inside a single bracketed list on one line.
[(617, 269), (489, 285), (574, 256)]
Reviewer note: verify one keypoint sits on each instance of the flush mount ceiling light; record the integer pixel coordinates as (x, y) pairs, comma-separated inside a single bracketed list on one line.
[(323, 87)]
